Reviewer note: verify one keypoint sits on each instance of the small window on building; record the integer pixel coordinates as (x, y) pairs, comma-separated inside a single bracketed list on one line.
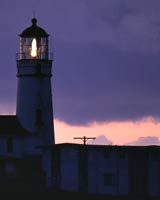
[(121, 155), (106, 154), (38, 117), (10, 145), (154, 155), (108, 179)]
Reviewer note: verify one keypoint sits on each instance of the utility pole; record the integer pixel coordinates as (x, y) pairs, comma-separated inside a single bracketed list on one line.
[(83, 164), (84, 138)]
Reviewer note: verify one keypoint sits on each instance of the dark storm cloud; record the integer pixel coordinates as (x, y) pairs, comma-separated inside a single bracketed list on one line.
[(107, 56), (106, 84), (113, 75)]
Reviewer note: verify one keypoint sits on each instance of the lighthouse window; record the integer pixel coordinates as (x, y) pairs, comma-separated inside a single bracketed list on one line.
[(38, 116), (9, 145), (38, 68)]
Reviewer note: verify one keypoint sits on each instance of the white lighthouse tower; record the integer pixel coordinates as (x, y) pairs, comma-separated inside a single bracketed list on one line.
[(34, 92)]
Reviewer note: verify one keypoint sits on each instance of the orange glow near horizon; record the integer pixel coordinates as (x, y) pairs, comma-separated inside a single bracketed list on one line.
[(120, 133), (34, 48)]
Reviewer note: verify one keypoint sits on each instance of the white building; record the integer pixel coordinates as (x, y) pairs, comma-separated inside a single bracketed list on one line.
[(105, 169)]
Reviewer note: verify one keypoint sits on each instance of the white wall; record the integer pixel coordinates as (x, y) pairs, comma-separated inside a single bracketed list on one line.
[(154, 177), (98, 166), (69, 169)]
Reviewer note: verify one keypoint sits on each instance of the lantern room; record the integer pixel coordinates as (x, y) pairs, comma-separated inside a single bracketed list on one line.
[(34, 43)]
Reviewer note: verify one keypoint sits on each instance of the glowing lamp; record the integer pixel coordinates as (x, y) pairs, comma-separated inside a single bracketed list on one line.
[(34, 48)]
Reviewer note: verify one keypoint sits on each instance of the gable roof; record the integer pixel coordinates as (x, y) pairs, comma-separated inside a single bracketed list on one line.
[(9, 125)]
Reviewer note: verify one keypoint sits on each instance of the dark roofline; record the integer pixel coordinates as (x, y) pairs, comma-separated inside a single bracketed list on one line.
[(114, 147)]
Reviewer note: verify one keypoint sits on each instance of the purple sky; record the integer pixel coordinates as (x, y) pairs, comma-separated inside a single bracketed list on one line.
[(107, 57)]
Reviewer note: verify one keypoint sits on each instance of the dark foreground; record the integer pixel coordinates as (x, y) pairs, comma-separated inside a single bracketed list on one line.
[(58, 195)]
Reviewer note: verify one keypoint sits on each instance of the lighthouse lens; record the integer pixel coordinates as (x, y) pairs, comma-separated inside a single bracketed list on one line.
[(34, 48)]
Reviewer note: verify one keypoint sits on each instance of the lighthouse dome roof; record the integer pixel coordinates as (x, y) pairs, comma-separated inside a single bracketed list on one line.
[(34, 31)]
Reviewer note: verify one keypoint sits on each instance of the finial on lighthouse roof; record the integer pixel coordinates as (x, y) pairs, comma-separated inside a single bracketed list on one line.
[(34, 21)]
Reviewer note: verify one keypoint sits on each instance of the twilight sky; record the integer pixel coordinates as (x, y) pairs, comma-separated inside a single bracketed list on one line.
[(106, 73)]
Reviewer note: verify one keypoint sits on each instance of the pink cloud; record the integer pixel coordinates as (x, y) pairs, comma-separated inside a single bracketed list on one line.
[(101, 140), (143, 141)]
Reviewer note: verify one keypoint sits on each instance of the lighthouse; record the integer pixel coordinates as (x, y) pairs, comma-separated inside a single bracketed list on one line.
[(34, 109)]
